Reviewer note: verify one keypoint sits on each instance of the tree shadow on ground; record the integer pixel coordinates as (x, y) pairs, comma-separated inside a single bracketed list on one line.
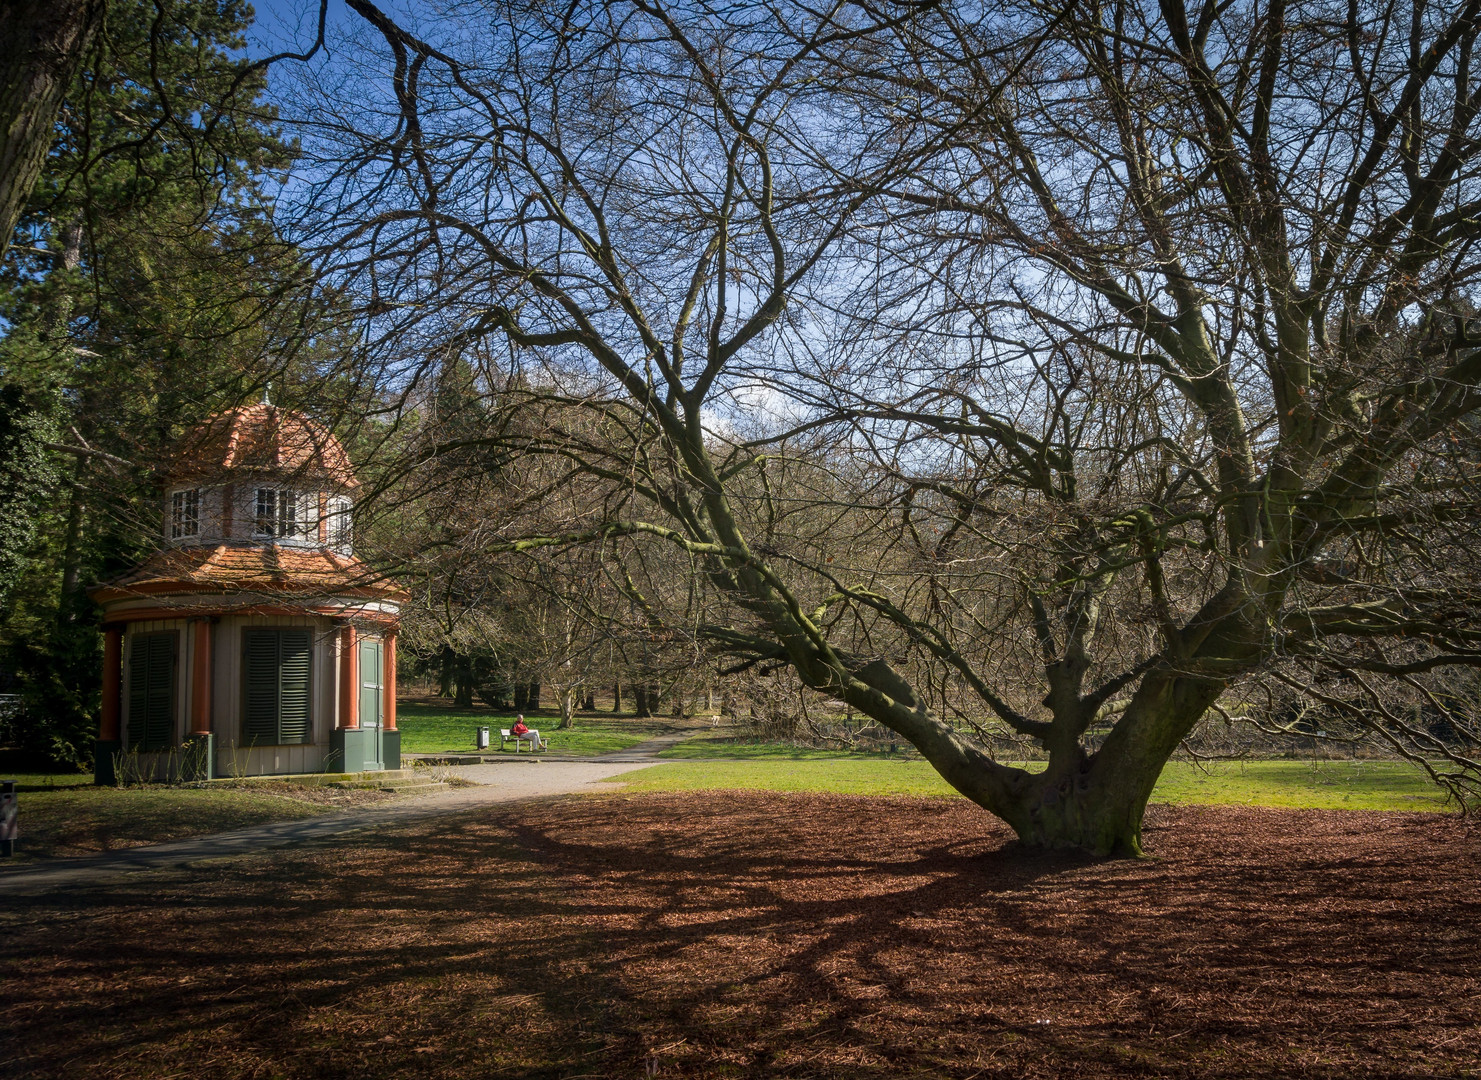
[(764, 935)]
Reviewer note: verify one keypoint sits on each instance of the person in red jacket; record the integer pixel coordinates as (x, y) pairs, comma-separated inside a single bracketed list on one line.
[(521, 731)]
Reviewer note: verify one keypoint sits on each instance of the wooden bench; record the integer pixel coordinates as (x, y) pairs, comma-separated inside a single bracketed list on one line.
[(532, 737)]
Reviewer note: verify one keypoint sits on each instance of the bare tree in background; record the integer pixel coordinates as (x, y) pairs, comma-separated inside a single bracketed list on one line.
[(1128, 353)]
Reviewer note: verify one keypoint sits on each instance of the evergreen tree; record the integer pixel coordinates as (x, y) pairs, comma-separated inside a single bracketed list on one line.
[(145, 287)]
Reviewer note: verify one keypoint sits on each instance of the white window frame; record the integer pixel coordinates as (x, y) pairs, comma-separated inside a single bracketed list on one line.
[(284, 514), (290, 503), (265, 513), (185, 514), (340, 526)]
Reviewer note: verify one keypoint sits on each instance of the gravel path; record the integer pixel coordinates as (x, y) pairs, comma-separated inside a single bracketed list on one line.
[(498, 782)]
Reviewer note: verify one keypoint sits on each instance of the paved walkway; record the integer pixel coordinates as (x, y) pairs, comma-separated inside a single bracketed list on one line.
[(503, 781)]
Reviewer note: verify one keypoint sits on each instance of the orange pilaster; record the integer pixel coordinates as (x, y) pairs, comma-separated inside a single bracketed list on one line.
[(349, 678), (388, 680), (200, 679), (109, 726)]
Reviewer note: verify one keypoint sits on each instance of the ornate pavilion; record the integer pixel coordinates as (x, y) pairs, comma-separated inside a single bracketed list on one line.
[(254, 642)]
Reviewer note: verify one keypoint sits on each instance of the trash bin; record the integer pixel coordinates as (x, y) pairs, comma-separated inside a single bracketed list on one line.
[(483, 738)]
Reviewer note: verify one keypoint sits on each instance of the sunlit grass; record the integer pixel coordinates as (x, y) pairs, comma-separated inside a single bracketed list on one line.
[(1319, 785), (47, 781), (1352, 785), (438, 729), (709, 746)]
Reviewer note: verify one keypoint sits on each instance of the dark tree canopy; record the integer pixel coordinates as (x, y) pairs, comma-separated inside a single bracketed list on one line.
[(145, 285)]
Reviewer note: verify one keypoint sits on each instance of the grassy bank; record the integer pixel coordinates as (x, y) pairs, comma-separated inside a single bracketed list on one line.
[(1350, 785), (79, 819), (443, 729)]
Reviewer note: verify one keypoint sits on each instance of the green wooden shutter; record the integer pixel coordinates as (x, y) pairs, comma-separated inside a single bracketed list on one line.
[(295, 648), (161, 722), (260, 679), (152, 691), (138, 691), (276, 679)]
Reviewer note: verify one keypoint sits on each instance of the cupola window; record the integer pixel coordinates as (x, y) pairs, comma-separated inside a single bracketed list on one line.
[(338, 532), (185, 514), (265, 519), (280, 513)]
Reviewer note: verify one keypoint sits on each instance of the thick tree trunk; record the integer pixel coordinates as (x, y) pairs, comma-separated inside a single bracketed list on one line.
[(1096, 802), (532, 696), (521, 696), (590, 702), (446, 674), (71, 550), (463, 695), (616, 697), (567, 703), (1088, 802), (42, 44), (1097, 813), (640, 700)]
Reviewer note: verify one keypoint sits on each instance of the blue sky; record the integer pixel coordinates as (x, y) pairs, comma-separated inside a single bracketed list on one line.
[(290, 24)]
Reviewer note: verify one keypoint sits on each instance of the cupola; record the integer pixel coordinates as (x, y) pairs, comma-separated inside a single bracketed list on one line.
[(260, 474)]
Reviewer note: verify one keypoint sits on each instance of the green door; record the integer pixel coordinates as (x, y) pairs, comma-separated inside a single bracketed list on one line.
[(371, 689)]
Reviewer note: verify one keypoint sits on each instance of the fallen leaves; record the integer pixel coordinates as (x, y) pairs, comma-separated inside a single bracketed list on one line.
[(710, 934)]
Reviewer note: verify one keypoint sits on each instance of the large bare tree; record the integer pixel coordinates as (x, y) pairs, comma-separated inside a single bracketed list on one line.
[(1128, 352), (1198, 284)]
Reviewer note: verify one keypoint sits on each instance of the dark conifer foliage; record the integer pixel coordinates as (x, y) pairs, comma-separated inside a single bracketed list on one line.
[(145, 286)]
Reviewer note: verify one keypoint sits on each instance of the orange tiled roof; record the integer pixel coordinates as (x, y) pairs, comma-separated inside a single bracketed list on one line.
[(257, 568), (263, 439)]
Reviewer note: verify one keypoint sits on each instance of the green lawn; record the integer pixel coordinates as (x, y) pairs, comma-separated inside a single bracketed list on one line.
[(1325, 785), (1365, 785), (76, 820), (727, 746), (439, 729), (47, 781)]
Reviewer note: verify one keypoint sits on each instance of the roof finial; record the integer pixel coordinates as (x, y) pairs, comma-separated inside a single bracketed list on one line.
[(266, 390)]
